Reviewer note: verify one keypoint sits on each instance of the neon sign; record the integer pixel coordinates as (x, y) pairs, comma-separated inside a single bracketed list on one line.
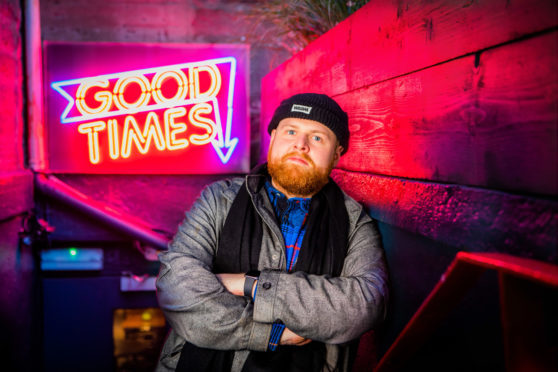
[(171, 118)]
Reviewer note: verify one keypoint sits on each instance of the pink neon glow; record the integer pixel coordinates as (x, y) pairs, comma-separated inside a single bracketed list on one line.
[(133, 90), (153, 109)]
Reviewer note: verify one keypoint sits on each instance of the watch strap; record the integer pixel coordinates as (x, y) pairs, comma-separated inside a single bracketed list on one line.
[(249, 279)]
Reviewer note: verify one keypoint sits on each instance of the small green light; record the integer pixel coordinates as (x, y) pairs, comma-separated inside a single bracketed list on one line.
[(72, 251)]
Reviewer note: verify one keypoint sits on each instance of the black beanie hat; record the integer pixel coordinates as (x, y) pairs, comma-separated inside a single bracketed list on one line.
[(318, 107)]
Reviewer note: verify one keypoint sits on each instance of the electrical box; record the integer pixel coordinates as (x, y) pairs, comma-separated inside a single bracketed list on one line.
[(72, 259)]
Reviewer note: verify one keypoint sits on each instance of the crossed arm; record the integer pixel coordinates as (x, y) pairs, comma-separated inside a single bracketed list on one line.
[(234, 283), (209, 310)]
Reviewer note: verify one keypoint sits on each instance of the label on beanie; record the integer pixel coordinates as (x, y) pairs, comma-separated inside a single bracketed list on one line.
[(300, 108)]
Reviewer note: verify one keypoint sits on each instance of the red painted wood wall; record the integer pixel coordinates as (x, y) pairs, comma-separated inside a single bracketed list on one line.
[(454, 146), (453, 117)]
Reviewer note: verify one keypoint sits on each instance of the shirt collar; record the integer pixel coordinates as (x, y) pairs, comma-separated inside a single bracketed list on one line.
[(280, 202)]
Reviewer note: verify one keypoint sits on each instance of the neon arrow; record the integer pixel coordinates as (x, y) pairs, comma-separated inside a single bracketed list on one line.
[(224, 145)]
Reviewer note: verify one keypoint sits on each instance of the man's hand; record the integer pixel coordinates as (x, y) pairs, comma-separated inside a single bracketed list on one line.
[(290, 338), (234, 283)]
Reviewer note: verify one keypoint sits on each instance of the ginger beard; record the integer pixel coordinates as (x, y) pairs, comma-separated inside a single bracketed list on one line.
[(295, 178)]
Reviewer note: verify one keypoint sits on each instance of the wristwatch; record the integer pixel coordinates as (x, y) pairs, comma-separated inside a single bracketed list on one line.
[(249, 279)]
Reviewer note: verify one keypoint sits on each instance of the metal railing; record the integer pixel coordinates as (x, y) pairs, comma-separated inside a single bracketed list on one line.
[(53, 187), (523, 283)]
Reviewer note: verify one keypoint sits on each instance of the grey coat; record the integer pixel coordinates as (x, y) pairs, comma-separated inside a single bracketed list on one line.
[(333, 310)]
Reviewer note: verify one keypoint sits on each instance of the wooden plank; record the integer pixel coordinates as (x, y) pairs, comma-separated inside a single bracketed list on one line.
[(412, 127), (384, 40), (16, 193), (494, 125), (387, 39), (467, 218), (517, 131)]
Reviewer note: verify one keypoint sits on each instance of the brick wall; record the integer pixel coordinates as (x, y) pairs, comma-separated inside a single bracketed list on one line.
[(184, 21), (17, 302)]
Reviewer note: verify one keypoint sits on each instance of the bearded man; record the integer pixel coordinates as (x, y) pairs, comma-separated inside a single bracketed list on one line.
[(279, 270)]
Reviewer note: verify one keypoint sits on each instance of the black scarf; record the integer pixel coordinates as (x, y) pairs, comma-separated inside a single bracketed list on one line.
[(323, 251)]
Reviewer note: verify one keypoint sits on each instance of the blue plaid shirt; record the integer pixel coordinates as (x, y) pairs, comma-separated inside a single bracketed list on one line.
[(291, 215)]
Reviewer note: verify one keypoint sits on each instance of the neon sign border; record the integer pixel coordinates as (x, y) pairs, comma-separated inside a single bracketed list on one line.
[(223, 140), (60, 62)]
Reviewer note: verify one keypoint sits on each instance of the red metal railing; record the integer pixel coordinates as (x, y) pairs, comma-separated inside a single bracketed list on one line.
[(56, 189), (524, 285)]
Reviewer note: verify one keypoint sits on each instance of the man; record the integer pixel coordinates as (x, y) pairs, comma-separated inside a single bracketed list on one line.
[(278, 270)]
